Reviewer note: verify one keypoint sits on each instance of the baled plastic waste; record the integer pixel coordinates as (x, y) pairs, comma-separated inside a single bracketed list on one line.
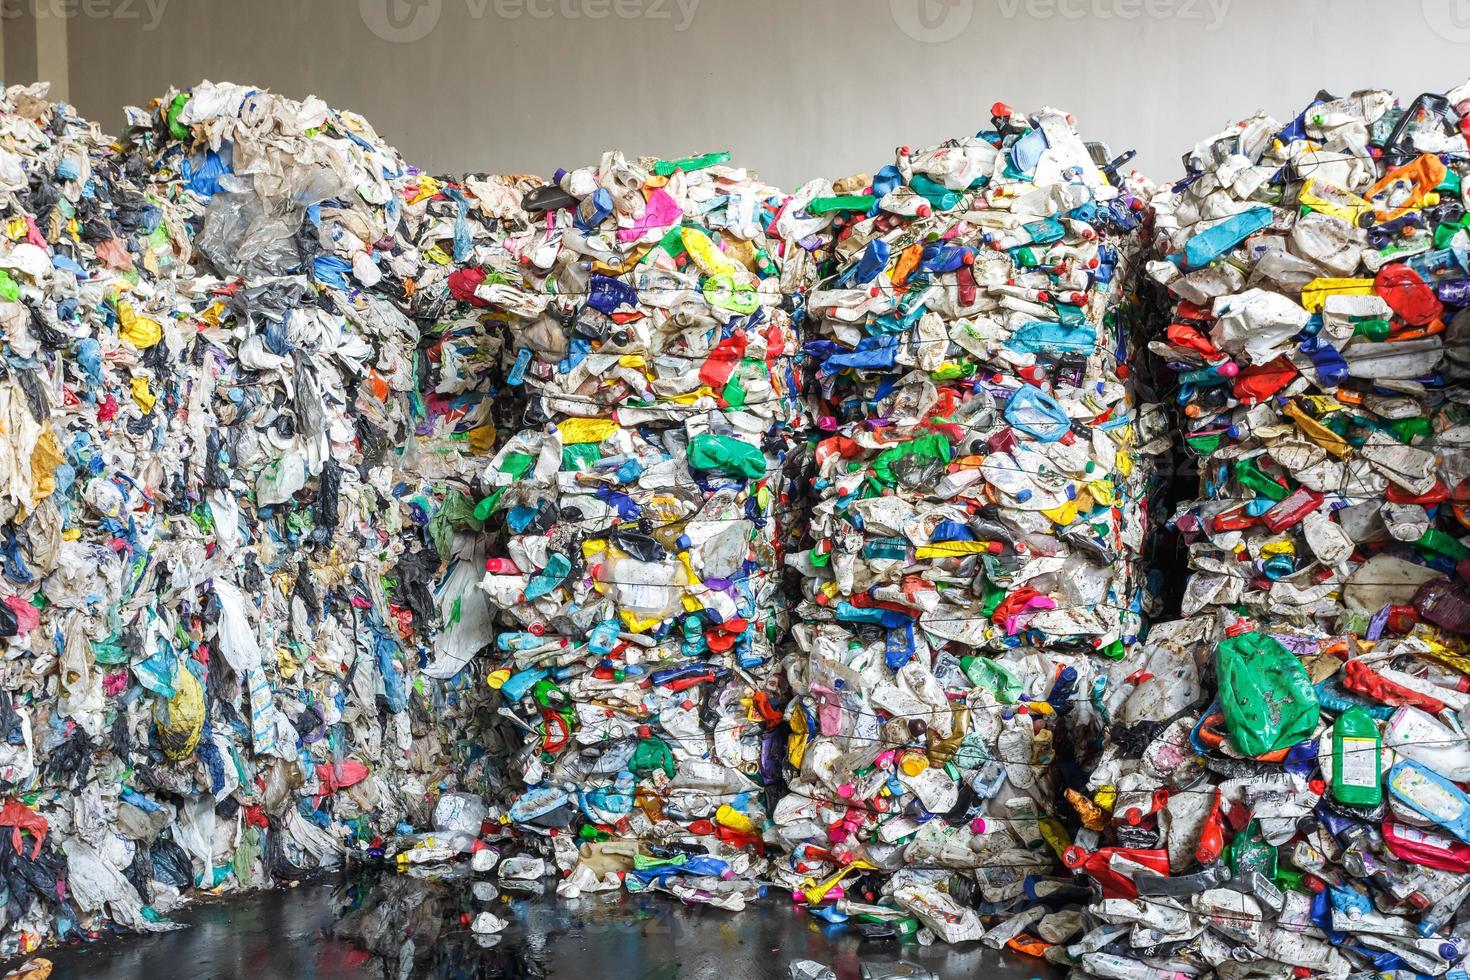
[(653, 528), (227, 453), (637, 511), (1296, 810), (974, 577)]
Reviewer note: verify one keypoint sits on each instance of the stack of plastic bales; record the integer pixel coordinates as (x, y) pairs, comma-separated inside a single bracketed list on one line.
[(297, 433), (980, 511), (1296, 770), (230, 497), (634, 514)]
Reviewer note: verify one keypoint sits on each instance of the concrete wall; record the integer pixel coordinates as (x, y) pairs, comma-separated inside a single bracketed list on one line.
[(795, 88)]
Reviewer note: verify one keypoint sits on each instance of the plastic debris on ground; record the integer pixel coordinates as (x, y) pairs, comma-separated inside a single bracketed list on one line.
[(35, 969)]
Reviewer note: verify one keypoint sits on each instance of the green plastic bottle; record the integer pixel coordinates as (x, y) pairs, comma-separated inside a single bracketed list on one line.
[(1357, 759), (935, 193), (1248, 474), (845, 202), (952, 371), (589, 833), (1407, 430), (1440, 543), (994, 677), (1375, 329), (1204, 445), (667, 168)]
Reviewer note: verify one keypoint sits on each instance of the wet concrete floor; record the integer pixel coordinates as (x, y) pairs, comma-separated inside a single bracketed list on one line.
[(395, 927)]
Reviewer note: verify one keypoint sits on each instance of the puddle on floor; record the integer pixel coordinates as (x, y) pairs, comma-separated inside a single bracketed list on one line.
[(398, 926)]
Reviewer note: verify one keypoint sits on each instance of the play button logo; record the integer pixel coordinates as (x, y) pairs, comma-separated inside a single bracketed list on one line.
[(932, 21), (401, 21)]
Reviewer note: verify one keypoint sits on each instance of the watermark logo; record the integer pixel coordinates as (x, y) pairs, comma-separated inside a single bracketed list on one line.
[(932, 21), (1450, 19), (401, 21), (1209, 13), (406, 21), (937, 21), (149, 13)]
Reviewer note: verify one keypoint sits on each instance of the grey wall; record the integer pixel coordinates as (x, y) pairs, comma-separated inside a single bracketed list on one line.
[(796, 88)]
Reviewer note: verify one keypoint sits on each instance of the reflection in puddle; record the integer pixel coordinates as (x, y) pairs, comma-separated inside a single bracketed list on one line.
[(419, 927), (397, 926)]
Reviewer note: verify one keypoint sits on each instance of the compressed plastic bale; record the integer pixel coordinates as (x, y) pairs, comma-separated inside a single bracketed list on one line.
[(232, 494), (362, 197), (1322, 400), (636, 515), (975, 563), (1311, 274)]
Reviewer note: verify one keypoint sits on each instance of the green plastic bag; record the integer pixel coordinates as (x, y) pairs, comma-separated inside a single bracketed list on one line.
[(1265, 694), (931, 447), (652, 754), (517, 465), (726, 455)]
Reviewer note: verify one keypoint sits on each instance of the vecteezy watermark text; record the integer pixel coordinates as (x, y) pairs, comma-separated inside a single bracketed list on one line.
[(149, 12), (937, 21), (406, 21)]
